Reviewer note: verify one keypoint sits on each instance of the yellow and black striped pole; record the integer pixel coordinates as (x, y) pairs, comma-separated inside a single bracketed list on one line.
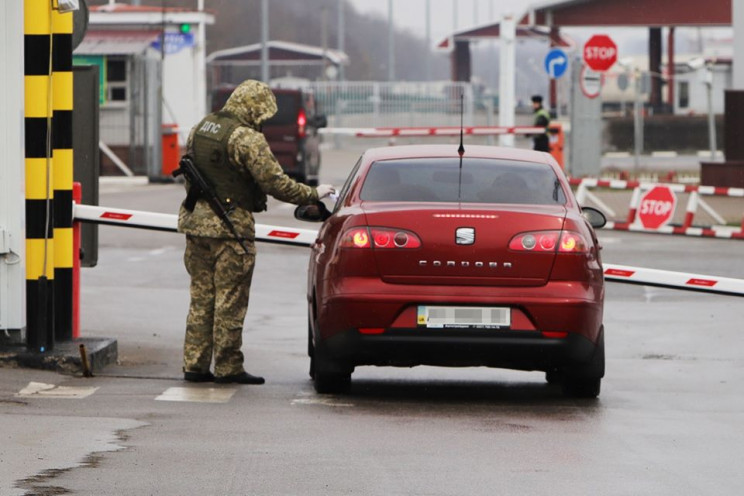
[(62, 158), (37, 42)]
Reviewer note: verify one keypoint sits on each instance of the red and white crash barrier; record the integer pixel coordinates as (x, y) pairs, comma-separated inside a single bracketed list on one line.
[(169, 223), (674, 280), (635, 220), (677, 188), (305, 237), (417, 132)]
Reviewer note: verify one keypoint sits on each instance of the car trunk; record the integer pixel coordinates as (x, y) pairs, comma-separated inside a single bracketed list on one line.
[(442, 260)]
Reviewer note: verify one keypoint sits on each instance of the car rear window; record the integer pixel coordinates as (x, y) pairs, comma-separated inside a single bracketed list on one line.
[(286, 113), (482, 181)]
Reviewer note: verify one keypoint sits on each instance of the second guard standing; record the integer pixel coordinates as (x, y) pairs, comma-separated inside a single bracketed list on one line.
[(541, 142)]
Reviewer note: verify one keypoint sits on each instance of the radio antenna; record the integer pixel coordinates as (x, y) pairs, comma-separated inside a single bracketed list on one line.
[(461, 148)]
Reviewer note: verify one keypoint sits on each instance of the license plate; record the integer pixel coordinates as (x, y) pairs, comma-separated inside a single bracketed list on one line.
[(464, 317)]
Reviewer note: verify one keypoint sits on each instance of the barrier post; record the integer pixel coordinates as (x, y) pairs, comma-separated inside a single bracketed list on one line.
[(171, 150), (692, 204), (77, 197), (634, 200), (39, 174), (62, 105), (557, 139)]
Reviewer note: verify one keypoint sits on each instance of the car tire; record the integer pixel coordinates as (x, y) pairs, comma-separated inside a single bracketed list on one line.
[(329, 376), (310, 349), (326, 383), (586, 381), (554, 376)]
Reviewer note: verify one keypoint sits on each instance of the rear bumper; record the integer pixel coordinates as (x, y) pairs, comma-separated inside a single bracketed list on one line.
[(557, 307), (520, 350)]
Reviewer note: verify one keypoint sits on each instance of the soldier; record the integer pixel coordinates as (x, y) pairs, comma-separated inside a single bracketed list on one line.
[(229, 150), (540, 141)]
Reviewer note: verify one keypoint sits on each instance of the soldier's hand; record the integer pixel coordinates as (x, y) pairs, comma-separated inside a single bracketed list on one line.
[(325, 190)]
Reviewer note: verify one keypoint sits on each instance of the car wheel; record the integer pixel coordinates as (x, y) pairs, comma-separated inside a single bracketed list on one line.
[(326, 383), (585, 381), (310, 349), (581, 387), (329, 377), (554, 376)]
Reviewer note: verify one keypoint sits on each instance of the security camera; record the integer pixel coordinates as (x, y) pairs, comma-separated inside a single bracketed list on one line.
[(67, 5)]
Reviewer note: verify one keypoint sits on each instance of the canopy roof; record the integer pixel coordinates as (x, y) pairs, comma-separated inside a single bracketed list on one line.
[(283, 52)]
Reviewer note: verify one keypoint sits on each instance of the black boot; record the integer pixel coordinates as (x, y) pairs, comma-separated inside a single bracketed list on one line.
[(198, 376), (242, 378)]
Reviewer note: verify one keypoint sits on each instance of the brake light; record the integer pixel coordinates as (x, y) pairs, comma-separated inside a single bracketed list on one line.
[(379, 237), (549, 241), (301, 123)]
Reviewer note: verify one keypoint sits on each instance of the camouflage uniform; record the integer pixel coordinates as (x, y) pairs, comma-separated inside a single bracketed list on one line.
[(220, 270)]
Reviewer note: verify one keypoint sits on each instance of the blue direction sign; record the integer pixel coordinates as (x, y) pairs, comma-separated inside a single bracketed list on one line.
[(556, 63), (174, 42)]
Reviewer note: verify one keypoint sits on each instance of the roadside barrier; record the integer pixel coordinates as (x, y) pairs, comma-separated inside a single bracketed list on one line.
[(556, 133), (652, 206), (169, 222), (417, 132), (305, 237)]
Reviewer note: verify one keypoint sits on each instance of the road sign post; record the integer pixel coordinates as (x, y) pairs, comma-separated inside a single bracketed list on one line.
[(600, 52), (657, 207)]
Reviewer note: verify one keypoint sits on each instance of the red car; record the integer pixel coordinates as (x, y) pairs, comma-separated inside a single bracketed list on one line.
[(433, 259)]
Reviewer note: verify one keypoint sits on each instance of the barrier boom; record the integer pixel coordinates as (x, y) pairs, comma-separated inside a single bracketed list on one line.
[(169, 222), (305, 237), (403, 132), (674, 280)]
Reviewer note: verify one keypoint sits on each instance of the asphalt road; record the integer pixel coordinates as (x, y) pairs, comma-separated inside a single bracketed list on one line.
[(668, 422)]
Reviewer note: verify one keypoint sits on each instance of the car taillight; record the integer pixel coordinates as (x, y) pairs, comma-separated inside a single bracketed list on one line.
[(549, 241), (301, 123), (379, 237)]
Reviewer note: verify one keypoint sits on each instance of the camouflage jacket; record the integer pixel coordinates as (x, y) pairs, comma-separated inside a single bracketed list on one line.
[(252, 103)]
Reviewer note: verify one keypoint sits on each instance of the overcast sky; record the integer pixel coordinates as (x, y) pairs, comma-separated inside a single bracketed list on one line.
[(410, 14), (445, 18)]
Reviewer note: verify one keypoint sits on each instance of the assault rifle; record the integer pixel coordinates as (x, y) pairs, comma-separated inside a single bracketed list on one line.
[(200, 188)]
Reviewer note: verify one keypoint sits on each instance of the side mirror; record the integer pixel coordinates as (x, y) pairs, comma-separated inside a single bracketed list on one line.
[(595, 218), (320, 121), (317, 212)]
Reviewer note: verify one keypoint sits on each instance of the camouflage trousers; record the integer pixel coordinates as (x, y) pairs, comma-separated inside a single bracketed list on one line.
[(221, 274)]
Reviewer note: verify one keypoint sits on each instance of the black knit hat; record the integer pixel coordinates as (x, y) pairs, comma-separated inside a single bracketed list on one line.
[(537, 99)]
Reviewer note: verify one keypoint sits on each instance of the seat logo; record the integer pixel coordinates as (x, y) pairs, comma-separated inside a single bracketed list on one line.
[(465, 235)]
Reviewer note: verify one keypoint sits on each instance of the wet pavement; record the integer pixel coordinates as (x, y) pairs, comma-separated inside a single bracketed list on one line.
[(668, 422)]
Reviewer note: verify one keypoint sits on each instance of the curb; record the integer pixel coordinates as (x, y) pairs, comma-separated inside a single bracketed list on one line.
[(65, 358)]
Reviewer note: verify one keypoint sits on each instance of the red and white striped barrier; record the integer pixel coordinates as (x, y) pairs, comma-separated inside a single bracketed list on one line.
[(417, 132), (305, 237), (635, 221), (677, 188), (674, 280), (169, 223)]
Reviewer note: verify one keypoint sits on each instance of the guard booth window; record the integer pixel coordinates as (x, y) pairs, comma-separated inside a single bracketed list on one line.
[(116, 80), (684, 94)]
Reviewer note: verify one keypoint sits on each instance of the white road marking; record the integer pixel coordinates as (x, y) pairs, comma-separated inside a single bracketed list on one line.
[(321, 400), (41, 390), (197, 395)]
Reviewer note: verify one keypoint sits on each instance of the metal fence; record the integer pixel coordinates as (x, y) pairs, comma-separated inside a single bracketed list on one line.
[(399, 104)]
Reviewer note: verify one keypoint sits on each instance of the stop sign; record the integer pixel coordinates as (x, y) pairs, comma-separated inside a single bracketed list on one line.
[(600, 52), (657, 207)]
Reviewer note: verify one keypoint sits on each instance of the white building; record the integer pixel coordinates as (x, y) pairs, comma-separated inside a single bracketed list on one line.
[(693, 75), (125, 42)]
